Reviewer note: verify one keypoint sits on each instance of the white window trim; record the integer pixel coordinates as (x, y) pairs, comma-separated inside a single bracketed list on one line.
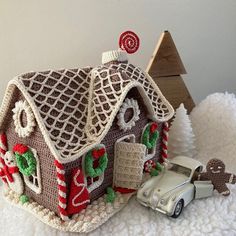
[(129, 103), (23, 106), (149, 156), (95, 184), (37, 176)]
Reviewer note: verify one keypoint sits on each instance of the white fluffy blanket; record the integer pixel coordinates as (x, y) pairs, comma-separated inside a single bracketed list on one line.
[(214, 123)]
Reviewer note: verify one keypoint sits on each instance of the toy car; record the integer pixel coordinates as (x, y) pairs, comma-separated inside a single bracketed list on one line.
[(175, 187)]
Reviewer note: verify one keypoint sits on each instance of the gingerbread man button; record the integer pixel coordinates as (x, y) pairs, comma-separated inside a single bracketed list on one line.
[(215, 171)]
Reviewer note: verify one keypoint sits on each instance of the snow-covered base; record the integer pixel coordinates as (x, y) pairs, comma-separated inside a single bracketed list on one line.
[(214, 123), (87, 220)]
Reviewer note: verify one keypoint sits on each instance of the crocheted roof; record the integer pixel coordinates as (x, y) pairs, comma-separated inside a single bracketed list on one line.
[(75, 108)]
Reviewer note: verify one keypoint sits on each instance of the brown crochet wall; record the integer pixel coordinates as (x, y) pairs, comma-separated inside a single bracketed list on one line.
[(49, 195), (109, 141)]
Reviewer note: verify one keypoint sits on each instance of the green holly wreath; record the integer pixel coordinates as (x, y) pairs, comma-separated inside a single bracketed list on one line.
[(150, 135), (25, 159), (101, 155)]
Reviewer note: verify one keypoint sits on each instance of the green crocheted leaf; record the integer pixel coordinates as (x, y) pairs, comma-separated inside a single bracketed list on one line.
[(149, 139), (159, 166), (24, 199), (111, 195), (154, 172)]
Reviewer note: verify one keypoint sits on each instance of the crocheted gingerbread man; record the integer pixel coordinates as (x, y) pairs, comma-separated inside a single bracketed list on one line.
[(215, 171)]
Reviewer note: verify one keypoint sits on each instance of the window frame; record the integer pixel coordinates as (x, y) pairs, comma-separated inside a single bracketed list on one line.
[(128, 103), (37, 176), (20, 107), (95, 184)]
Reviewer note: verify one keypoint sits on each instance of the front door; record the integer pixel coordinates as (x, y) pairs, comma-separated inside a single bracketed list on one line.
[(128, 165)]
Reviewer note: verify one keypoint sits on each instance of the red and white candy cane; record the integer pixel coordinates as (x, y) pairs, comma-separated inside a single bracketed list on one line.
[(164, 144), (129, 41), (3, 150), (3, 144), (62, 198)]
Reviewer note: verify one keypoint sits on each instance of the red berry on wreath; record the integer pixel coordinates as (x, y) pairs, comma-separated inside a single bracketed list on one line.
[(129, 42), (153, 127), (98, 153), (149, 165), (20, 148)]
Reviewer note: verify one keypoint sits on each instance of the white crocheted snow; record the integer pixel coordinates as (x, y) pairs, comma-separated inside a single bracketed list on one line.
[(214, 122)]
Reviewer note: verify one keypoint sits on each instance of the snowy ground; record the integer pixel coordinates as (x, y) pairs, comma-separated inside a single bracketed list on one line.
[(214, 123)]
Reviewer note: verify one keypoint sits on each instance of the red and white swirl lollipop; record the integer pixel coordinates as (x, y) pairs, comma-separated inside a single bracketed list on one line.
[(129, 42), (149, 165)]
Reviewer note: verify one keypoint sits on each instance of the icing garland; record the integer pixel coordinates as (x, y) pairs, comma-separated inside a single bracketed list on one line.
[(21, 106), (150, 135), (128, 104), (25, 159), (99, 153)]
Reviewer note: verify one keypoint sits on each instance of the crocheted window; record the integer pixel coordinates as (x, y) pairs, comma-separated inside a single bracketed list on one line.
[(92, 182), (128, 114), (150, 153), (23, 119), (34, 181)]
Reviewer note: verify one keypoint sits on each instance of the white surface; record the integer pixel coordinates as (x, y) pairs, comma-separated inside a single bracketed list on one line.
[(37, 35), (212, 216)]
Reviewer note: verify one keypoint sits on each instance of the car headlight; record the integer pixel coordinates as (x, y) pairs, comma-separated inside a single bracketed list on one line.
[(145, 193), (163, 201)]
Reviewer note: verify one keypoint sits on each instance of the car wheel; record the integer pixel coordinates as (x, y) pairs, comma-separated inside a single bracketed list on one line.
[(178, 208)]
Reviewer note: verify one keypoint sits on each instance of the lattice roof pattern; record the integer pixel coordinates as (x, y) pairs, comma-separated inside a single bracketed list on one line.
[(75, 108)]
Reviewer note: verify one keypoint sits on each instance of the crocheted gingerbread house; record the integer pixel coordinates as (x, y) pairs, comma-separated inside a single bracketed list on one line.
[(75, 143)]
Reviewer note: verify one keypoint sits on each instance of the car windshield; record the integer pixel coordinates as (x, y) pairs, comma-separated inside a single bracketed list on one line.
[(180, 169)]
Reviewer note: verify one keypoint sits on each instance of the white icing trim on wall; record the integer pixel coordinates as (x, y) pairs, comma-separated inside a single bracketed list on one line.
[(129, 103), (23, 131)]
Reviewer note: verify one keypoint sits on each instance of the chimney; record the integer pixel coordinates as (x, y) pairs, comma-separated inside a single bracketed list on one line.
[(114, 56)]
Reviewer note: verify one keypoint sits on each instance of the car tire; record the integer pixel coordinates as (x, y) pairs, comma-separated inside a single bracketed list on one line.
[(178, 208)]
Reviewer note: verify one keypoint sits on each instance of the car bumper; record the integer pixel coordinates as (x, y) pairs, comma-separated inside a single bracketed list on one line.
[(154, 208)]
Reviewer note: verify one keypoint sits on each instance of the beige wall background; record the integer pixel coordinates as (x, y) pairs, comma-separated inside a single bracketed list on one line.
[(38, 35)]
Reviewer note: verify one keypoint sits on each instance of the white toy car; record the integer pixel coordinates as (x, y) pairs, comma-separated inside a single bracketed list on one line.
[(174, 189)]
